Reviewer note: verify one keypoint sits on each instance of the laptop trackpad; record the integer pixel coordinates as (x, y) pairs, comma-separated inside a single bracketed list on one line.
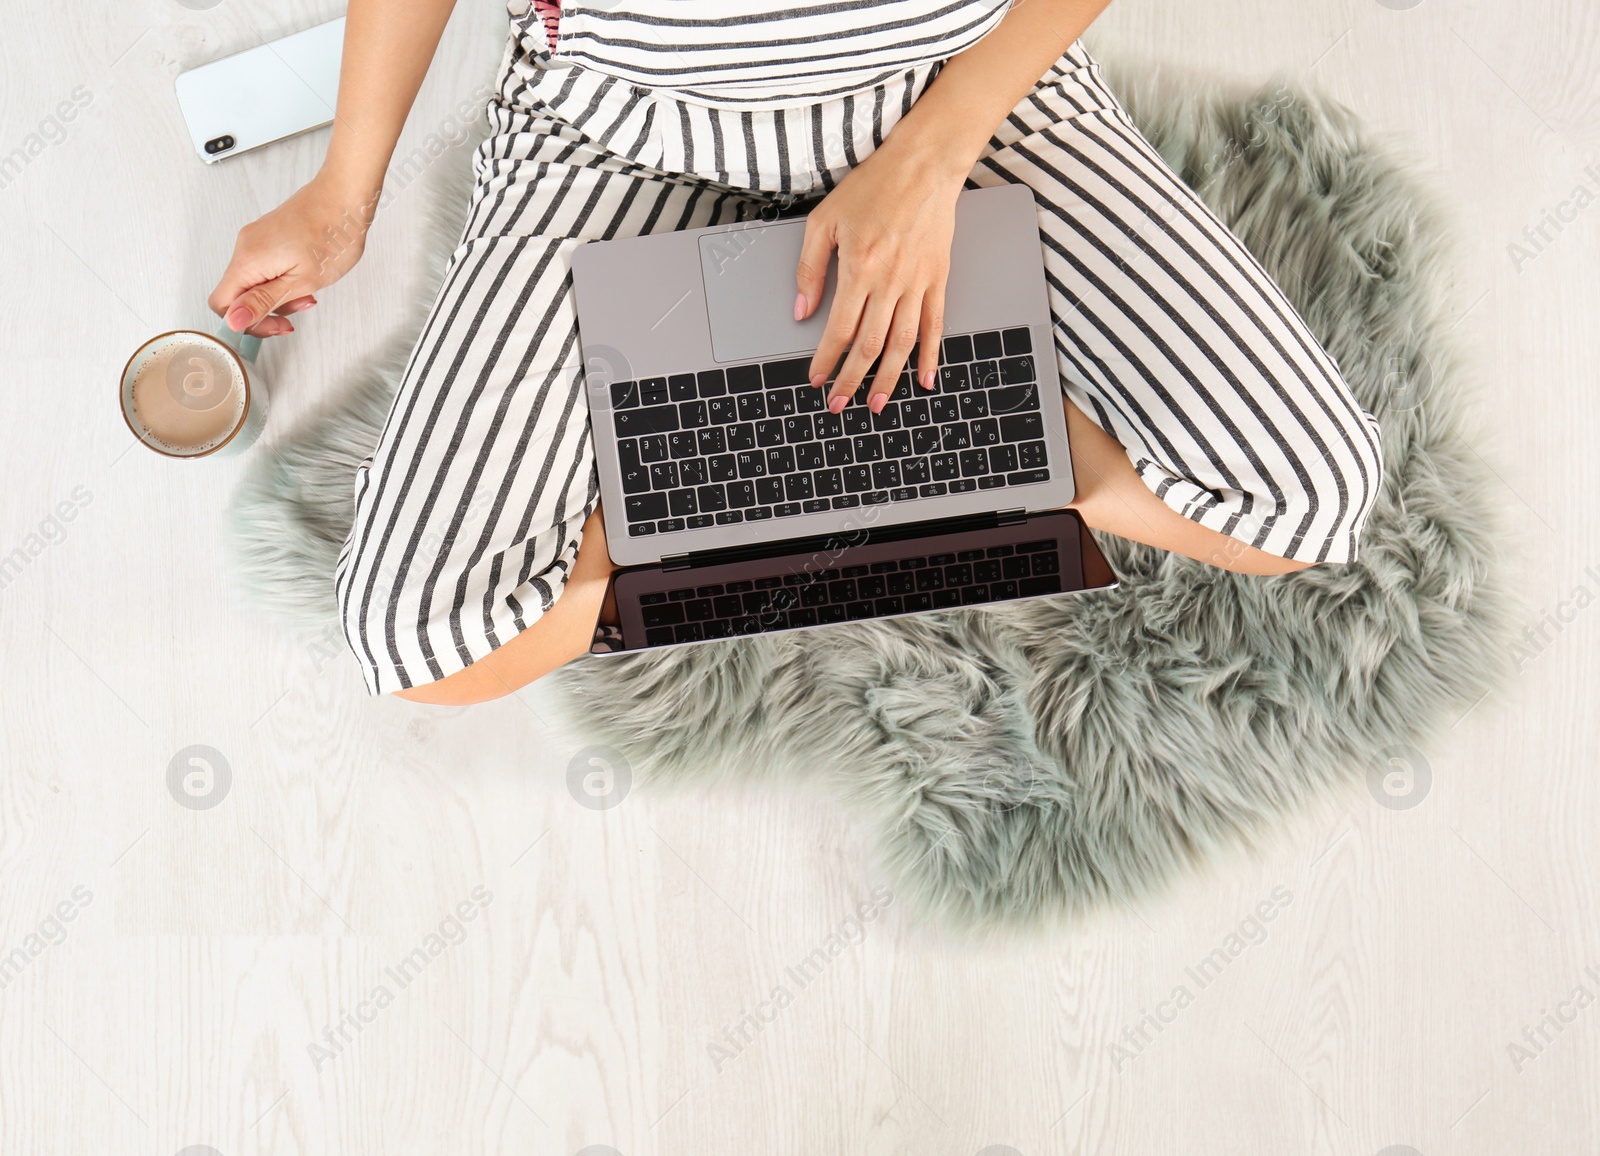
[(750, 290)]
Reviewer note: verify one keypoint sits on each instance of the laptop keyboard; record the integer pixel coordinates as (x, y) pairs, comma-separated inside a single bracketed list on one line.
[(755, 442), (850, 593)]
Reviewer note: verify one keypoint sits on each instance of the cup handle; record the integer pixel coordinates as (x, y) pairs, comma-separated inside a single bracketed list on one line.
[(244, 344)]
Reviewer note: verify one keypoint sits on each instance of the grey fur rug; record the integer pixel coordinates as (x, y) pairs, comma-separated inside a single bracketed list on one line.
[(1019, 765)]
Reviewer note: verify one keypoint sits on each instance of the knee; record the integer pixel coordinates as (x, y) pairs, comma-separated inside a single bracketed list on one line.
[(1328, 497), (546, 644), (371, 612), (396, 658), (380, 591)]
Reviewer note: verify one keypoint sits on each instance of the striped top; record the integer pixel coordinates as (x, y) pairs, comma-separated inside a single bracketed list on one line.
[(746, 54)]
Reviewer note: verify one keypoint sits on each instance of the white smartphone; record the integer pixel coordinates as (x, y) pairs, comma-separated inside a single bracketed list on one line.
[(263, 94)]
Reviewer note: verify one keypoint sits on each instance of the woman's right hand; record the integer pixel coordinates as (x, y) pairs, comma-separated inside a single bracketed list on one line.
[(281, 259)]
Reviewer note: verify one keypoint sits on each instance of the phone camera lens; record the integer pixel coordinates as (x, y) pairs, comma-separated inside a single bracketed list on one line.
[(218, 144)]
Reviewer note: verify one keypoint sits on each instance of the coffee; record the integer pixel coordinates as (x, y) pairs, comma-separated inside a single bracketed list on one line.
[(186, 394)]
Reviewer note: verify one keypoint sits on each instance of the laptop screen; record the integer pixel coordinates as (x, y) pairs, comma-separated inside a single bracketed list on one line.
[(868, 573)]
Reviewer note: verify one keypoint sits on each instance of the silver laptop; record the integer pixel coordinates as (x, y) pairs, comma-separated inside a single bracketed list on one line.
[(713, 448)]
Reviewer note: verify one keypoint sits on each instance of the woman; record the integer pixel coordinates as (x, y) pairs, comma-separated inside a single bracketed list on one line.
[(1204, 417)]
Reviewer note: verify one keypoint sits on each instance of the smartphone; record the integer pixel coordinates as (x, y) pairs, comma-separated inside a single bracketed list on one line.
[(264, 94)]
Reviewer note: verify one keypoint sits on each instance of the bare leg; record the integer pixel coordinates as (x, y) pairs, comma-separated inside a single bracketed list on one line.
[(554, 639), (1111, 497)]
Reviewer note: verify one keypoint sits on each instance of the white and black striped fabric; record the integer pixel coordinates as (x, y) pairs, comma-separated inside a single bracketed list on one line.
[(1169, 335), (739, 54)]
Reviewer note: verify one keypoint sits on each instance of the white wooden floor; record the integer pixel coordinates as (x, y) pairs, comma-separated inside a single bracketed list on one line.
[(607, 951)]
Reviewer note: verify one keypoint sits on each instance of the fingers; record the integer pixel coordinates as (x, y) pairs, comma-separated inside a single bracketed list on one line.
[(252, 307), (902, 336), (870, 336), (234, 282), (249, 267), (276, 323), (887, 305), (811, 274), (270, 326), (816, 251), (844, 315), (932, 334)]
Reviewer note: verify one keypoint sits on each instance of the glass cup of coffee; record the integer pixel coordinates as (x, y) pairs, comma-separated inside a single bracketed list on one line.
[(188, 394)]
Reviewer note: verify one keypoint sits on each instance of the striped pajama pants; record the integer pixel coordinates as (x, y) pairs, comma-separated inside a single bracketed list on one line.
[(1169, 335)]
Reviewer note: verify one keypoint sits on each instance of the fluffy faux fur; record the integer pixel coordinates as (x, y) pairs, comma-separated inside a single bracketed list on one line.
[(1021, 764)]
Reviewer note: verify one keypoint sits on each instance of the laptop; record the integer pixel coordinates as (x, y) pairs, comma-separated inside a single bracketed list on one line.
[(737, 504)]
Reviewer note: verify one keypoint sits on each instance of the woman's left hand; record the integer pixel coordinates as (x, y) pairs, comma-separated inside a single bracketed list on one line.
[(892, 221)]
